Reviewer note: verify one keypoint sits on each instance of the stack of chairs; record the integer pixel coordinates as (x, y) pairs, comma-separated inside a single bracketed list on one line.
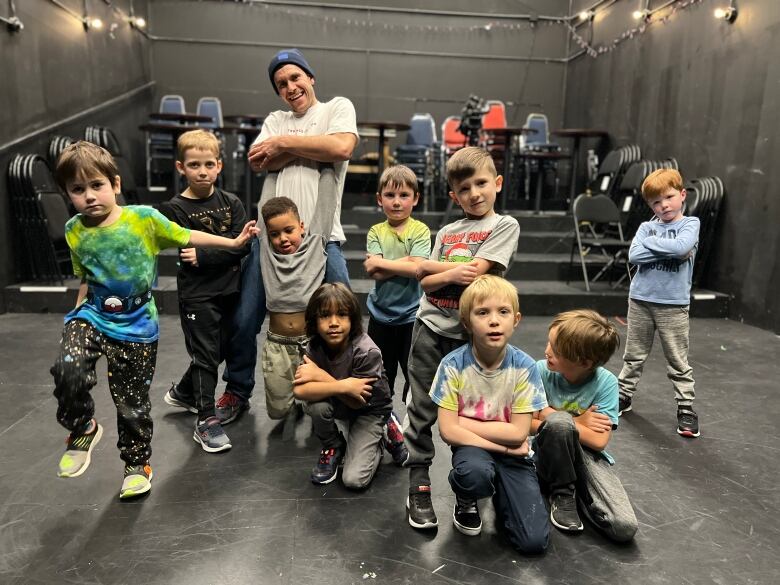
[(419, 152), (40, 213), (612, 169), (160, 149), (56, 145), (628, 195), (703, 200), (106, 138)]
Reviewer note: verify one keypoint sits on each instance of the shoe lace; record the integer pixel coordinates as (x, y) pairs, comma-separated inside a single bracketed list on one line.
[(422, 499), (228, 400), (565, 502), (686, 418)]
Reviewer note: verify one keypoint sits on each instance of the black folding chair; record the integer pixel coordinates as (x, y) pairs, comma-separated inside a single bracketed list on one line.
[(597, 213)]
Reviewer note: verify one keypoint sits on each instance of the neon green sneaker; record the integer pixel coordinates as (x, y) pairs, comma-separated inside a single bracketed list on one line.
[(138, 480), (78, 454)]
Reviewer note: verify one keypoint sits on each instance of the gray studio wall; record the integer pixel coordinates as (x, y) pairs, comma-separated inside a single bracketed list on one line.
[(707, 93), (223, 48), (54, 70)]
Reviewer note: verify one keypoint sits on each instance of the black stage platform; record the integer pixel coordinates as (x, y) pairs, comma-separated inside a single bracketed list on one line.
[(707, 507)]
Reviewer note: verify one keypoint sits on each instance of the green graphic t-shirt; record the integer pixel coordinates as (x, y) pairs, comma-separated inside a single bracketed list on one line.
[(121, 260)]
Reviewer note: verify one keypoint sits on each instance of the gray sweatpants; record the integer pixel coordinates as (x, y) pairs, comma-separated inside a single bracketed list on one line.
[(428, 349), (561, 462), (363, 443), (671, 321)]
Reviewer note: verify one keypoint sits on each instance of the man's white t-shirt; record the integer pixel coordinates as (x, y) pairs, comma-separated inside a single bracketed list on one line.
[(299, 179)]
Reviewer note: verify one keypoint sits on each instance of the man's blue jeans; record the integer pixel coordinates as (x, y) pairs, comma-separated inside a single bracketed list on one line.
[(248, 318)]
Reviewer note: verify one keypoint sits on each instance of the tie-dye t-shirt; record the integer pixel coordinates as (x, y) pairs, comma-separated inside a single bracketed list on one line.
[(461, 384), (601, 390), (121, 260)]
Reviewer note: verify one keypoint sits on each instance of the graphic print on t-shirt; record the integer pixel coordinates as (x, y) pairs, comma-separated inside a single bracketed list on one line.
[(458, 247)]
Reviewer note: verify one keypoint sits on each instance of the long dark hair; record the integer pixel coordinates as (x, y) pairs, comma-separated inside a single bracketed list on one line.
[(333, 297)]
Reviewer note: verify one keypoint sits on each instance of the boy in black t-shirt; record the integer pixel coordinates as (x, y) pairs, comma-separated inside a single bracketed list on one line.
[(208, 282)]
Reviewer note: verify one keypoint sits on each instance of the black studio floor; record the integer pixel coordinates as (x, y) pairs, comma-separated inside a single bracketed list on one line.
[(708, 508)]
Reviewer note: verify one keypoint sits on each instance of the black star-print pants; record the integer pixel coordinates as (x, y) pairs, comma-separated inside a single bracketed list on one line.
[(130, 372)]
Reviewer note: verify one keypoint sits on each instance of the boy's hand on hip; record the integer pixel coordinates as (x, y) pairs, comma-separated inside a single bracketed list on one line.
[(595, 421), (189, 256)]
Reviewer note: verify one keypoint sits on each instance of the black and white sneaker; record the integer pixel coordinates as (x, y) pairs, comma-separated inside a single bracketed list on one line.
[(465, 516), (687, 422), (563, 512), (179, 400), (420, 508), (624, 404)]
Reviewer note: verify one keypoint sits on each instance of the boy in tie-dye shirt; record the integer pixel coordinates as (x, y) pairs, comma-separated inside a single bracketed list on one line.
[(114, 251), (486, 392)]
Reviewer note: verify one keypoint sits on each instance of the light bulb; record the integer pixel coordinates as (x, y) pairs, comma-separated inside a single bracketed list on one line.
[(584, 15), (640, 14), (96, 23), (720, 13), (139, 22)]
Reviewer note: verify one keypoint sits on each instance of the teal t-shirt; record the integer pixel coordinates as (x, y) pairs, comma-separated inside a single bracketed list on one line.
[(121, 260), (601, 390), (395, 301)]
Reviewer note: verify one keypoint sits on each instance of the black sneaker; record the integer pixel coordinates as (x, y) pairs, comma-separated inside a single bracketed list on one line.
[(687, 422), (420, 508), (624, 404), (179, 400), (563, 512), (465, 516), (327, 467)]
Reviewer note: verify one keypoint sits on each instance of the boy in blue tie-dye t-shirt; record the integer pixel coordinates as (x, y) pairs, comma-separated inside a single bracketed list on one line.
[(114, 252), (486, 392)]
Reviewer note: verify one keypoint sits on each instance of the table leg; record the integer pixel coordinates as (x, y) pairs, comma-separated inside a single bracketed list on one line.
[(507, 170), (575, 155), (380, 159), (539, 181)]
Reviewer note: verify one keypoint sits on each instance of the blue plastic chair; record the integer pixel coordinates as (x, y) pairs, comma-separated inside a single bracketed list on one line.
[(211, 107)]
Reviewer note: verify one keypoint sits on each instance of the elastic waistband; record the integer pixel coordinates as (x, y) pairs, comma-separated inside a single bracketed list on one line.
[(299, 340)]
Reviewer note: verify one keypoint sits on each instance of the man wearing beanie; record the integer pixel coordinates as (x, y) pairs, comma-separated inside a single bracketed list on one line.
[(293, 143)]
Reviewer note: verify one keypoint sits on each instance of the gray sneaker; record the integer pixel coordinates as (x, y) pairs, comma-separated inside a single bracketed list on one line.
[(179, 400), (229, 407), (211, 435), (78, 453), (137, 481)]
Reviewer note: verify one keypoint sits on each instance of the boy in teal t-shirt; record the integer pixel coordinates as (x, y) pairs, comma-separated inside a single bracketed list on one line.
[(573, 431), (114, 251), (394, 249)]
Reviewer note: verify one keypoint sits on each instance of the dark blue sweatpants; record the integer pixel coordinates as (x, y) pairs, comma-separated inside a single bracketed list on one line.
[(512, 482)]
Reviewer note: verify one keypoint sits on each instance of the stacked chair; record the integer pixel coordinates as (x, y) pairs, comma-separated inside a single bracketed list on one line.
[(538, 141), (613, 167), (56, 145), (40, 213), (703, 200), (419, 152), (596, 219), (160, 149)]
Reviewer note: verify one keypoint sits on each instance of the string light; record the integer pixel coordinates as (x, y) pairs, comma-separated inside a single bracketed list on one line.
[(728, 14)]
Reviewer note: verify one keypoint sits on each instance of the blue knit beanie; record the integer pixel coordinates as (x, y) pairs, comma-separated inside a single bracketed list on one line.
[(287, 57)]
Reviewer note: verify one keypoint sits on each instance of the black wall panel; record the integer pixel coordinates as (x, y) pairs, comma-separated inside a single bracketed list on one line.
[(706, 92)]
